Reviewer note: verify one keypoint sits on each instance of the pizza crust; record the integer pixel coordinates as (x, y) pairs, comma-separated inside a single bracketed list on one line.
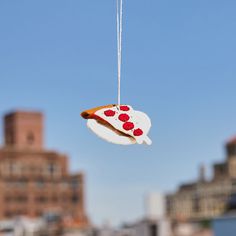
[(108, 134)]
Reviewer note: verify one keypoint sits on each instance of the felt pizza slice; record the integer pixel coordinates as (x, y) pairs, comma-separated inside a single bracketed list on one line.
[(119, 124)]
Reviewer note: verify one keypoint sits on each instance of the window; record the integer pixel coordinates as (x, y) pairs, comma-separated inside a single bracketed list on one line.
[(40, 183), (21, 199), (10, 138), (41, 199), (75, 183), (153, 230), (196, 204), (12, 168), (30, 138), (75, 198), (17, 184), (51, 168)]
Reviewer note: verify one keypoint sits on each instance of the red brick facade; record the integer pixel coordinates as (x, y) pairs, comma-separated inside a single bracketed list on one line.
[(34, 181)]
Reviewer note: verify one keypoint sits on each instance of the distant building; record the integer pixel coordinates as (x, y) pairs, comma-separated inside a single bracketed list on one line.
[(153, 223), (206, 199), (35, 181), (155, 206)]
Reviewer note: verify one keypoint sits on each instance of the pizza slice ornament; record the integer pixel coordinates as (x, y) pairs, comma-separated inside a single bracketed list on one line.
[(119, 124)]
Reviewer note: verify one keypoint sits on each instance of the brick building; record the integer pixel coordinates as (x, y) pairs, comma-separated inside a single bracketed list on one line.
[(34, 181), (206, 199)]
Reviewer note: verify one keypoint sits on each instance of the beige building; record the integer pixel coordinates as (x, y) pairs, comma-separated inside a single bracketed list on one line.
[(205, 199), (33, 180)]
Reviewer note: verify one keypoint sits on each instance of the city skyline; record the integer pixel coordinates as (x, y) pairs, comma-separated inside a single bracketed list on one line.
[(60, 58)]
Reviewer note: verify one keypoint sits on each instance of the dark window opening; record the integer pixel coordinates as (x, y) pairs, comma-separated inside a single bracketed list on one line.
[(41, 199), (153, 230), (75, 198), (30, 138), (196, 204), (21, 199), (51, 168)]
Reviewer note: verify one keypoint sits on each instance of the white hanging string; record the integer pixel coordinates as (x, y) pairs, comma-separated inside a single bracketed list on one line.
[(119, 43)]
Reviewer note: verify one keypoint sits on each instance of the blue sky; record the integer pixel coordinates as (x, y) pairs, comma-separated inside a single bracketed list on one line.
[(179, 66)]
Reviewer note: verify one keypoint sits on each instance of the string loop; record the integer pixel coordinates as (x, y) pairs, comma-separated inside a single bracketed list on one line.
[(119, 43)]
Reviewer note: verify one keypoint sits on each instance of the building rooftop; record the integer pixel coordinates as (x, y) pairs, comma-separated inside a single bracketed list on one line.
[(231, 141), (23, 112), (187, 186)]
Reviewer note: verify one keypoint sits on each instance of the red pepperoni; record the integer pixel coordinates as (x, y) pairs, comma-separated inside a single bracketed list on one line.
[(109, 113), (123, 117), (124, 108), (128, 125), (138, 132)]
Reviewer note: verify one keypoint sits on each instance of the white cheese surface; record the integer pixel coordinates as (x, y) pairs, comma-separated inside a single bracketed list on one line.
[(139, 119)]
